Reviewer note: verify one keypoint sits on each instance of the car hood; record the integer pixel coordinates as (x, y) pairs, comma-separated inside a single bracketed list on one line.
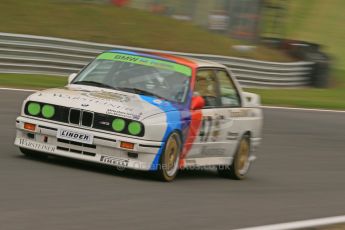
[(111, 102)]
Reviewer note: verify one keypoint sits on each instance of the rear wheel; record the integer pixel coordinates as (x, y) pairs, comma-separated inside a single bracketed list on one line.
[(168, 164), (240, 165), (33, 154)]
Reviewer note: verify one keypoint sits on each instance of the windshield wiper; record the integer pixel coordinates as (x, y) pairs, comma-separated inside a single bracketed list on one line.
[(94, 83), (141, 92)]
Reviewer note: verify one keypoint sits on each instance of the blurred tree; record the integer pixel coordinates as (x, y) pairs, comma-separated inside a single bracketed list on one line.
[(274, 16)]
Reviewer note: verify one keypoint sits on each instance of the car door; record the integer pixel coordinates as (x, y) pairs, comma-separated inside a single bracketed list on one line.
[(232, 109), (211, 139)]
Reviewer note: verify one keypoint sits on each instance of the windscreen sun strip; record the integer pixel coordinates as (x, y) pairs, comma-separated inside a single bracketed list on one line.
[(185, 70)]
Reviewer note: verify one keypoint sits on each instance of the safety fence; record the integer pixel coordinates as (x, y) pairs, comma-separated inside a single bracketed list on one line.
[(30, 54)]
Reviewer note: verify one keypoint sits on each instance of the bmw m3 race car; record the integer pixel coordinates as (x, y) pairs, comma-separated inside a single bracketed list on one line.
[(146, 111)]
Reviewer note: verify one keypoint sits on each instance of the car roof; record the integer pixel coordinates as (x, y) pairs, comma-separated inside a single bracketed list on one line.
[(192, 62), (206, 63)]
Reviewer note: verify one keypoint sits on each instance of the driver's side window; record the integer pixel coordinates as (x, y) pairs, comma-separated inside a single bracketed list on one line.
[(228, 92), (206, 86)]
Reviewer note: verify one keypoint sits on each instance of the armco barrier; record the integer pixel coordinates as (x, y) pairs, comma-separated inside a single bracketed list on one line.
[(55, 56)]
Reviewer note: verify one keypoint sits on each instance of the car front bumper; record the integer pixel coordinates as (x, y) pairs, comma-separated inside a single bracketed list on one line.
[(105, 148)]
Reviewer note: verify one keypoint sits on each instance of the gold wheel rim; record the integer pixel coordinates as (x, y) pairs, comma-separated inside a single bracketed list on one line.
[(243, 157), (171, 153)]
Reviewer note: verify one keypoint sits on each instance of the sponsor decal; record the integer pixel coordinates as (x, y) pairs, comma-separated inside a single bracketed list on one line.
[(239, 113), (87, 98), (129, 114), (114, 161), (75, 136), (157, 101), (104, 123), (36, 146), (214, 152), (108, 96), (147, 62), (232, 136), (188, 161)]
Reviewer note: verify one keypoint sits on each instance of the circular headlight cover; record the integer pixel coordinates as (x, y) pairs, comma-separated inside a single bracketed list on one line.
[(48, 111), (134, 128), (34, 108), (118, 124)]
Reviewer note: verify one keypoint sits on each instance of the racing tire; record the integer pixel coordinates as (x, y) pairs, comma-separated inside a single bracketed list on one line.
[(169, 160), (239, 168), (33, 154)]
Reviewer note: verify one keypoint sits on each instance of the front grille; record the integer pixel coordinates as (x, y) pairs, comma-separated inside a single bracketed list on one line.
[(86, 148), (62, 148), (76, 143), (87, 119), (74, 116), (80, 117), (76, 151)]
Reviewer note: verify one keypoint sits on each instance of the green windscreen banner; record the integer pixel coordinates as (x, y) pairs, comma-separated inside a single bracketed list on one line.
[(185, 70)]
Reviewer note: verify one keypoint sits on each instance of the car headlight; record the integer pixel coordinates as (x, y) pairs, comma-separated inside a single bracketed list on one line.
[(48, 111), (34, 108), (127, 126), (134, 128), (118, 124), (40, 110)]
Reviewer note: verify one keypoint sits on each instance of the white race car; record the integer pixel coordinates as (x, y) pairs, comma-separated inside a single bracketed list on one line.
[(146, 111)]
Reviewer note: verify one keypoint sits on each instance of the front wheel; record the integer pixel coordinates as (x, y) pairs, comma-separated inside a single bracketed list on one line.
[(240, 165), (168, 164)]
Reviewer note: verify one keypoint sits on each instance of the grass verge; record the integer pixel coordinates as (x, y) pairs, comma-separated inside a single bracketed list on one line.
[(26, 81), (305, 98), (331, 98), (106, 23)]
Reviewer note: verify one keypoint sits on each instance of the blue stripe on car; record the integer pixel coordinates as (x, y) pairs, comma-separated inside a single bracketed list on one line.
[(173, 120)]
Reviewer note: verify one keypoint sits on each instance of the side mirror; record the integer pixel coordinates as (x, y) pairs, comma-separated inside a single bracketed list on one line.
[(197, 103), (71, 77), (251, 100)]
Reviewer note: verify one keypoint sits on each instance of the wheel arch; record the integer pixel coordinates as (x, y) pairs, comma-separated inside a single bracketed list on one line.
[(247, 134)]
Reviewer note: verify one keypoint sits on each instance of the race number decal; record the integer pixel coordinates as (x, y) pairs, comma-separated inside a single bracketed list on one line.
[(205, 128), (211, 128)]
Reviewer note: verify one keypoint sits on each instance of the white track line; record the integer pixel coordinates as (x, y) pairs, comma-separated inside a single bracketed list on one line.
[(301, 224), (303, 109), (14, 89), (265, 107)]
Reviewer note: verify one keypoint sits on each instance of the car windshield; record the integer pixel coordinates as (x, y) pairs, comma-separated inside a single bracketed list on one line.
[(136, 74)]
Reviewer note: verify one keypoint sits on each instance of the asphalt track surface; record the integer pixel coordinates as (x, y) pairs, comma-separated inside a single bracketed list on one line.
[(299, 174)]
